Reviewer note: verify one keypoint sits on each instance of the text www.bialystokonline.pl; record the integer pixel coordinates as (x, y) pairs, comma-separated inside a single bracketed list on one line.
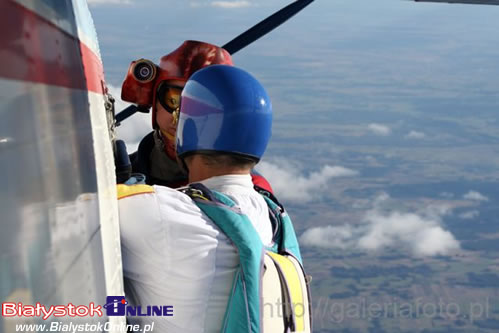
[(56, 326)]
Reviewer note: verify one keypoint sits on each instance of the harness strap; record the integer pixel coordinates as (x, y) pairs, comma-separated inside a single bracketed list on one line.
[(243, 312)]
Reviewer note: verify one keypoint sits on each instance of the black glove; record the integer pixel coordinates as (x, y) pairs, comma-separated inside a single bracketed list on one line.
[(122, 162)]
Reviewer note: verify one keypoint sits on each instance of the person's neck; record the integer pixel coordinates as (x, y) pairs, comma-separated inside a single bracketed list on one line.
[(200, 174), (199, 170)]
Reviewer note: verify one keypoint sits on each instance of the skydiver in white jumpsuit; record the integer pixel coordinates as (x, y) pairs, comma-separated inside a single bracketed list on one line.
[(173, 254)]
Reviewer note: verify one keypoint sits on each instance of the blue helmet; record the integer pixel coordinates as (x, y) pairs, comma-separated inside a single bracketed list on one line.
[(224, 109)]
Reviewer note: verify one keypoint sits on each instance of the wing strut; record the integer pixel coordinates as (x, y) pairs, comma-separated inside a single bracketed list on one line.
[(471, 2), (241, 41), (265, 26)]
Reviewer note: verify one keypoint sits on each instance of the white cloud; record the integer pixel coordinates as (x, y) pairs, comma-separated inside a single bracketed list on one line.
[(421, 233), (230, 4), (108, 2), (291, 185), (340, 237), (195, 4), (221, 4), (133, 129), (475, 196), (415, 135), (447, 195), (379, 129), (472, 214)]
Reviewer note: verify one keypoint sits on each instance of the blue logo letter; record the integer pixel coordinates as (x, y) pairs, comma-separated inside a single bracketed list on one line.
[(116, 305)]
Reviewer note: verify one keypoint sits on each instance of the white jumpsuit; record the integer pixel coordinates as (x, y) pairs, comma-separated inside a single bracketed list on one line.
[(173, 254)]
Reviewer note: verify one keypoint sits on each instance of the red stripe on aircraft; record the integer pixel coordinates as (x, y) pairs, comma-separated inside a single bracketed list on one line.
[(35, 50), (94, 72)]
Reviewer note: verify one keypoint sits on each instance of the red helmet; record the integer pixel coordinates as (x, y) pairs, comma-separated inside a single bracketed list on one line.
[(185, 61), (144, 77)]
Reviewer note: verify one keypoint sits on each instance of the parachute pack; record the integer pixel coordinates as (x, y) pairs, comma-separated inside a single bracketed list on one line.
[(270, 291)]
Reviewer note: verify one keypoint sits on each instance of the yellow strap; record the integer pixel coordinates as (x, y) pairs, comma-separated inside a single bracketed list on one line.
[(200, 196), (295, 289), (129, 190)]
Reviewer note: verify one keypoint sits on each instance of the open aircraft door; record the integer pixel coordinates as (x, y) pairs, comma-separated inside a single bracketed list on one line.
[(59, 238)]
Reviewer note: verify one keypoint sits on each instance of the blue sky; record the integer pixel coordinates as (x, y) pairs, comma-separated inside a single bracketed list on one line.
[(150, 28), (342, 49)]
